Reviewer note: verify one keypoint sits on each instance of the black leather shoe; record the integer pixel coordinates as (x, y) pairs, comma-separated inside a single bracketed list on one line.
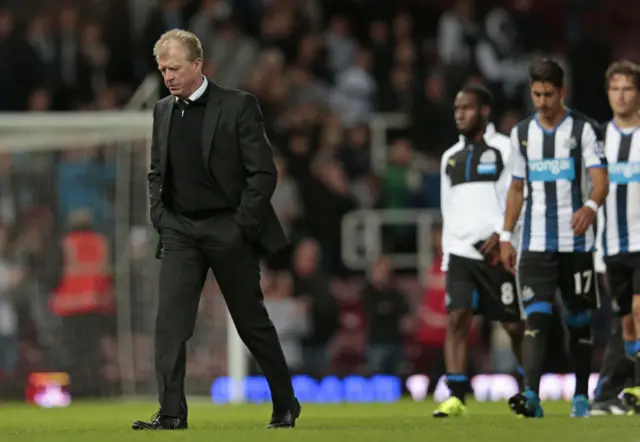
[(288, 419), (161, 422)]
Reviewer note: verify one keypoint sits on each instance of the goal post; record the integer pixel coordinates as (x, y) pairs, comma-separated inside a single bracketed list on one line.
[(62, 163), (37, 131)]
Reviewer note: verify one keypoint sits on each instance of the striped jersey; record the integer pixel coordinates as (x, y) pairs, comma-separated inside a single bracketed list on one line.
[(554, 165), (619, 217)]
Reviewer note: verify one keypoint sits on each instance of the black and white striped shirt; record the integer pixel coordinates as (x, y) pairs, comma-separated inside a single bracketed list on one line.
[(619, 217), (554, 165)]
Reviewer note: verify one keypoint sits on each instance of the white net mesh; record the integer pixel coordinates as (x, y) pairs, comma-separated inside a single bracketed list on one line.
[(68, 304)]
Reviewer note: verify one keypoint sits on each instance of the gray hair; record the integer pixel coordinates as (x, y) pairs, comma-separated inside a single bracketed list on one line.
[(188, 39)]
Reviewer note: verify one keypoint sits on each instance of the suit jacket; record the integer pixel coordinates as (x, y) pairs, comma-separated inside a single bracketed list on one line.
[(238, 154)]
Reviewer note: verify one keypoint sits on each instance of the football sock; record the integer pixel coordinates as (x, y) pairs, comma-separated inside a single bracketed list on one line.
[(458, 384), (581, 346), (535, 347)]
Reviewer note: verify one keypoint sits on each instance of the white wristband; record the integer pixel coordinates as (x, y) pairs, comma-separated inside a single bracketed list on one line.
[(592, 205), (505, 236)]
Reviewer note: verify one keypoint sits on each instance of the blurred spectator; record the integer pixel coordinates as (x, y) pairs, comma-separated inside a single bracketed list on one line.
[(72, 67), (8, 190), (96, 55), (312, 56), (355, 153), (278, 30), (232, 53), (499, 58), (355, 88), (11, 276), (167, 15), (387, 317), (289, 316), (42, 42), (311, 286), (398, 95), (327, 198), (340, 43), (458, 33), (84, 300), (209, 19), (402, 180), (435, 128), (382, 49), (286, 198), (83, 181), (304, 88), (19, 71), (527, 26), (39, 250)]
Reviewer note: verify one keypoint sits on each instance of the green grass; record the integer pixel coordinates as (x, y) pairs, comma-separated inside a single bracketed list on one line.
[(408, 421)]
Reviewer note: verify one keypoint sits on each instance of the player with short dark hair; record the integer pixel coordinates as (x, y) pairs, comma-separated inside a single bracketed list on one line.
[(620, 215), (546, 71), (552, 153), (475, 180), (483, 96)]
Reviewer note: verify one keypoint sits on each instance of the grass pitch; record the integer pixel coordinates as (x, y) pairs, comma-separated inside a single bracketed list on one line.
[(407, 421)]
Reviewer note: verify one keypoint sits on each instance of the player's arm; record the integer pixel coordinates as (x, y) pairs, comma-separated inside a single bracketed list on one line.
[(445, 204), (515, 196), (504, 184), (515, 200), (595, 161), (600, 185), (154, 177)]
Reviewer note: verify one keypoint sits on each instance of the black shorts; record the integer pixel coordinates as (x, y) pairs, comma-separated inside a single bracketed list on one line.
[(623, 278), (542, 274), (487, 290)]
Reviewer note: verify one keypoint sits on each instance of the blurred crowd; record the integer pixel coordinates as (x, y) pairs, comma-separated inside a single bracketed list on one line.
[(321, 70)]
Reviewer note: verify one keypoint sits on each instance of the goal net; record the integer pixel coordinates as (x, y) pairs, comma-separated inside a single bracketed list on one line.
[(78, 264)]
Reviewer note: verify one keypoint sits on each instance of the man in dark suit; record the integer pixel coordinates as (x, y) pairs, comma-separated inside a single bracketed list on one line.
[(210, 185)]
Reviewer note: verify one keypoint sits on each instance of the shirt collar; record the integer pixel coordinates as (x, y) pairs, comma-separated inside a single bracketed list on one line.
[(489, 132), (198, 93)]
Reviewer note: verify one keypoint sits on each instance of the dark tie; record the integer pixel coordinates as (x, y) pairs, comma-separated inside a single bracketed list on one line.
[(182, 104)]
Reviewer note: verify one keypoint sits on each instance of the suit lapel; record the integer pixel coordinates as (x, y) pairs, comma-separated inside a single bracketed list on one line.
[(164, 134), (211, 117)]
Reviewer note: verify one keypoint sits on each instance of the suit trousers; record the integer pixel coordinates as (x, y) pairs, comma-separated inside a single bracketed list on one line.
[(190, 249)]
